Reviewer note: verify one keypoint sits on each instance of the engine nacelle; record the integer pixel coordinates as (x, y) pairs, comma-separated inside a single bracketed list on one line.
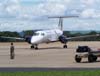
[(63, 39), (28, 39)]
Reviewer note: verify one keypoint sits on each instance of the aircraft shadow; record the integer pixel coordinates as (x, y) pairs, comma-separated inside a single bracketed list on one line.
[(50, 48), (39, 48), (46, 48), (56, 48)]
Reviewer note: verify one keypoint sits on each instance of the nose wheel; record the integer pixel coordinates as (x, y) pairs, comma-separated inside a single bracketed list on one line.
[(65, 46), (34, 47)]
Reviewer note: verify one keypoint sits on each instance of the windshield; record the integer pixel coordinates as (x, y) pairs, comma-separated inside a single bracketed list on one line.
[(36, 34)]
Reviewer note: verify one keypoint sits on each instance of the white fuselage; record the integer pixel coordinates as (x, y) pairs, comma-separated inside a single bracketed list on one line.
[(46, 36)]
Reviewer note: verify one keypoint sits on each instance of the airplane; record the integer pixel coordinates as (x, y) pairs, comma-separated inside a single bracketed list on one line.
[(49, 36)]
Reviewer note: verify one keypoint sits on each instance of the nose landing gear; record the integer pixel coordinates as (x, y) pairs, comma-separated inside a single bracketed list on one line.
[(34, 47)]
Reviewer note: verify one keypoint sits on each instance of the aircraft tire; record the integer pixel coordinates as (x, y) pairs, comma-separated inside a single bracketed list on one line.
[(32, 47), (65, 46)]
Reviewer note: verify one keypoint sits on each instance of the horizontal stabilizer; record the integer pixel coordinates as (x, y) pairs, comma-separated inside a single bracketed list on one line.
[(63, 16)]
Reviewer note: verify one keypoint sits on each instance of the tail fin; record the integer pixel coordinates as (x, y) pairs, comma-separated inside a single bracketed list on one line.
[(60, 25)]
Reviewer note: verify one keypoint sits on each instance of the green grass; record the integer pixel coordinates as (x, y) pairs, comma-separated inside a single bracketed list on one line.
[(52, 73)]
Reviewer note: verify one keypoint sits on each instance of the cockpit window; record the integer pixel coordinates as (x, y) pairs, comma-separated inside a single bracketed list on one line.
[(36, 34), (42, 34)]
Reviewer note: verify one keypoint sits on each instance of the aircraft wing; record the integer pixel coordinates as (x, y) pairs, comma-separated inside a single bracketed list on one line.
[(16, 38), (80, 37)]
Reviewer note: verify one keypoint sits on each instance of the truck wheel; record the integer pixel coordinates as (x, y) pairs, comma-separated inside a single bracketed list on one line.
[(77, 59), (92, 58), (95, 58)]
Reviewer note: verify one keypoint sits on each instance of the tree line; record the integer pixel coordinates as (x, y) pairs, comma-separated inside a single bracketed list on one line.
[(31, 32)]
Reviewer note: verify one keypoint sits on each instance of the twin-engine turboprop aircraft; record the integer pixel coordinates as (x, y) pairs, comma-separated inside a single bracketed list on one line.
[(48, 36)]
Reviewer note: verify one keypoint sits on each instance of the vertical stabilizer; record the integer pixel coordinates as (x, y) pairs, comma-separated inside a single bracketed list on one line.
[(60, 25)]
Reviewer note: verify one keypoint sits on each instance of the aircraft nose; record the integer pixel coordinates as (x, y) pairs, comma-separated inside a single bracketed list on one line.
[(36, 39)]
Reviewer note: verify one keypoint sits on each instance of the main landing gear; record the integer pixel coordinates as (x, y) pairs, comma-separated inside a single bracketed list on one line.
[(34, 47), (65, 46)]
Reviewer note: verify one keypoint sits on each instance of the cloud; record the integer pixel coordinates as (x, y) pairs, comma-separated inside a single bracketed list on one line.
[(58, 1), (90, 13), (52, 9), (90, 8), (1, 9), (83, 25), (32, 11), (9, 8), (87, 2), (46, 8), (14, 8)]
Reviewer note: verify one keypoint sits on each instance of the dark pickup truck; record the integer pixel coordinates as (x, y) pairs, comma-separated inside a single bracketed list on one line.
[(86, 52)]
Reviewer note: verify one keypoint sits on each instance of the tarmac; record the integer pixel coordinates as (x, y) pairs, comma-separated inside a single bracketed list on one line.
[(47, 56)]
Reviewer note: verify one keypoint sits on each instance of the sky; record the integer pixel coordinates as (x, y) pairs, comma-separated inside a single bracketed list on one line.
[(19, 15)]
